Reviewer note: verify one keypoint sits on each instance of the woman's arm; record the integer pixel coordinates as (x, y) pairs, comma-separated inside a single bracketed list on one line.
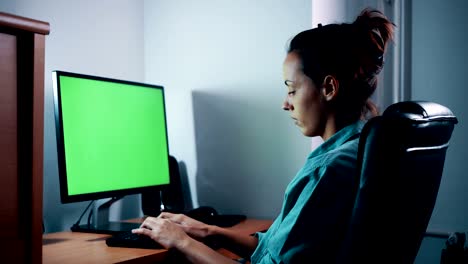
[(241, 244), (173, 235), (197, 252), (170, 235)]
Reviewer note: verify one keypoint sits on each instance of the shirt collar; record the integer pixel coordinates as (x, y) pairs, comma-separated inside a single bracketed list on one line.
[(339, 138)]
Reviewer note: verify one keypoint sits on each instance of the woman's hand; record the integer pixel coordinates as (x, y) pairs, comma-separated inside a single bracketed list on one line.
[(163, 231), (177, 230), (191, 226)]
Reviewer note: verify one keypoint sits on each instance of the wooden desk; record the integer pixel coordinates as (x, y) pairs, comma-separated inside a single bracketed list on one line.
[(74, 247)]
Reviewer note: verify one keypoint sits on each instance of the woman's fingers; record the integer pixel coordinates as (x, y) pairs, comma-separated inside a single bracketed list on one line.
[(163, 231)]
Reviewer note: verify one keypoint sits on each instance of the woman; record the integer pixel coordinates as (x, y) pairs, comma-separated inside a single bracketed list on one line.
[(330, 72)]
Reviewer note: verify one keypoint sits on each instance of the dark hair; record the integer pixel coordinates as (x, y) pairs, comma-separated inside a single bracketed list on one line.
[(352, 53)]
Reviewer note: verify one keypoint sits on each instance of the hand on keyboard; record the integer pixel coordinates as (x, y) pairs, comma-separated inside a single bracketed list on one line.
[(131, 240)]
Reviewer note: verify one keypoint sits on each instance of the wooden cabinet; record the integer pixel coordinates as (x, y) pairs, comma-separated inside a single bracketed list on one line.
[(22, 43)]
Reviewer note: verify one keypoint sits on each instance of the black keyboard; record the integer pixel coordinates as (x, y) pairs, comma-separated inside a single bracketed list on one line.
[(131, 240)]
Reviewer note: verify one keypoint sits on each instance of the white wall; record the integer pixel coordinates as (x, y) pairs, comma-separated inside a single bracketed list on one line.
[(329, 12), (221, 65), (94, 37)]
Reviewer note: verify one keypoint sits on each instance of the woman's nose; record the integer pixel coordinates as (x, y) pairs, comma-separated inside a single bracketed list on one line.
[(286, 105)]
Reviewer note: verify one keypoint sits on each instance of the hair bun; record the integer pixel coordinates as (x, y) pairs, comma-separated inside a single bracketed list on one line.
[(375, 30), (377, 26)]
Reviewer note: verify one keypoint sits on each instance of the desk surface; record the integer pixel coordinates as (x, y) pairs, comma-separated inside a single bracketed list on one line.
[(75, 247)]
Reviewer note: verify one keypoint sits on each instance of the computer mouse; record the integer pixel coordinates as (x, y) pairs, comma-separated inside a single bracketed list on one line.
[(205, 214)]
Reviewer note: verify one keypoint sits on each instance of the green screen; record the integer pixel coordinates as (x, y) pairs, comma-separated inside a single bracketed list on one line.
[(114, 135)]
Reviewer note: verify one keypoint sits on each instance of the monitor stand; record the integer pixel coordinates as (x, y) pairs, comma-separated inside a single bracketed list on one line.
[(103, 225)]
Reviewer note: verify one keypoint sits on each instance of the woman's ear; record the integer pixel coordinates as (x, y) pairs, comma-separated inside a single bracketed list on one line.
[(330, 88)]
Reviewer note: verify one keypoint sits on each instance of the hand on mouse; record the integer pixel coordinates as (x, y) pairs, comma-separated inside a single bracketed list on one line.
[(191, 226), (163, 231)]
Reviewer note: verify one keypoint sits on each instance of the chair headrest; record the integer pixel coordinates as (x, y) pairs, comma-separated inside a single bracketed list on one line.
[(420, 111)]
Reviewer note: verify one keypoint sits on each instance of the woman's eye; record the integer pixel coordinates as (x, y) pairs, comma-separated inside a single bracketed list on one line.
[(291, 92)]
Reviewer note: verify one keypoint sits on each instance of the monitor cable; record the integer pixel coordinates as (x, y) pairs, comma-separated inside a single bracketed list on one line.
[(76, 226), (89, 217)]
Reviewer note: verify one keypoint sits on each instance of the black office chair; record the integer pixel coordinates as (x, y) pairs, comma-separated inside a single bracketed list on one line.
[(401, 157)]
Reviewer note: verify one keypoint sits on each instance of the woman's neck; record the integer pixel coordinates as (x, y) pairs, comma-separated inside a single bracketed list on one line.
[(334, 125)]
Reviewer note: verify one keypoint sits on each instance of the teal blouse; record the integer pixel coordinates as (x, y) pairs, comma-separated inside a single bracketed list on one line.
[(317, 205)]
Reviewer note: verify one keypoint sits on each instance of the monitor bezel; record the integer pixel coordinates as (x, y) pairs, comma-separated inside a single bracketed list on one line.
[(63, 182)]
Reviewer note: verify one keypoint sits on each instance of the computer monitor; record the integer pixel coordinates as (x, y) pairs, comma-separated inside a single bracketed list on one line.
[(111, 139)]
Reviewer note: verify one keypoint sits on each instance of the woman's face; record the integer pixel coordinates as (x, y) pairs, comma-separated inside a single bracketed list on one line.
[(304, 101)]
